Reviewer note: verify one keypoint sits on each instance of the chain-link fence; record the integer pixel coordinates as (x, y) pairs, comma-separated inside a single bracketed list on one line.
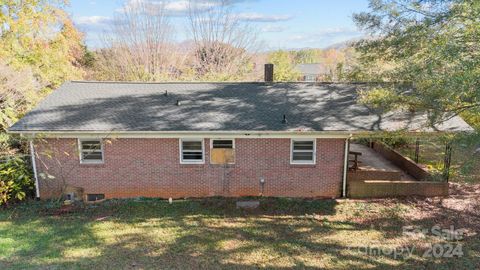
[(446, 157), (435, 155)]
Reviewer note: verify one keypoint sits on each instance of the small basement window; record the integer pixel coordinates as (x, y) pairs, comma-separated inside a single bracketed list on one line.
[(303, 152), (222, 151), (91, 151), (95, 197), (191, 151)]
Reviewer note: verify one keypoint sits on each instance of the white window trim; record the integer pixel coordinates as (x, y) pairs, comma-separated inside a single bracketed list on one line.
[(313, 162), (180, 147), (80, 150), (226, 139)]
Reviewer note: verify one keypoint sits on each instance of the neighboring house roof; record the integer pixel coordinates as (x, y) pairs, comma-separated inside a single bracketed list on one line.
[(311, 69), (116, 106)]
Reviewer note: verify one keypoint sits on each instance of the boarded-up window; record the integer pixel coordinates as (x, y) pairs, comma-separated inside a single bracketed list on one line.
[(191, 151), (303, 152), (91, 151), (222, 152)]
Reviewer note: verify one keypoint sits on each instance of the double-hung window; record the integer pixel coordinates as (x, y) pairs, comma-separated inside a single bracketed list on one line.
[(191, 151), (91, 150), (303, 151), (310, 78)]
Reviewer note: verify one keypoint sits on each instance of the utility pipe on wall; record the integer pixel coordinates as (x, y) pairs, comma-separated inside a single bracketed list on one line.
[(345, 167), (34, 165)]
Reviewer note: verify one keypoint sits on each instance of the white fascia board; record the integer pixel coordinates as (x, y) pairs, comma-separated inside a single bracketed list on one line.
[(186, 134)]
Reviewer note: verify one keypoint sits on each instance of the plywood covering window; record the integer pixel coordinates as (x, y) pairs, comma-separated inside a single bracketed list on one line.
[(222, 151), (91, 150), (191, 151), (303, 151)]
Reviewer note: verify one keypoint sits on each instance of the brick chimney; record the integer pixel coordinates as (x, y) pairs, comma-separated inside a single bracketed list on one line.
[(268, 72)]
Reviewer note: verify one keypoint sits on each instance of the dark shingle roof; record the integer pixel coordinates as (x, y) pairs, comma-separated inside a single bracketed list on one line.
[(103, 106)]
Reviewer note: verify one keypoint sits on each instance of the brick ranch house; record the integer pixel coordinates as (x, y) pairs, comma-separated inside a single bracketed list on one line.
[(120, 139)]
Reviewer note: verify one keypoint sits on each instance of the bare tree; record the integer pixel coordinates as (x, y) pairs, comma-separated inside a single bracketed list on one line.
[(58, 162), (19, 91), (139, 47), (224, 44)]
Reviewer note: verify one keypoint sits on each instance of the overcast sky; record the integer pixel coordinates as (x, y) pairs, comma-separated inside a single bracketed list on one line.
[(283, 24)]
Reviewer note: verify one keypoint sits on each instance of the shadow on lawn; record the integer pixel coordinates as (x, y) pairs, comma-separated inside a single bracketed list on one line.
[(205, 234)]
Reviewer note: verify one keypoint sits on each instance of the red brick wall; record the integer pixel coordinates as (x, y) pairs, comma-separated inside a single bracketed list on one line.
[(151, 168)]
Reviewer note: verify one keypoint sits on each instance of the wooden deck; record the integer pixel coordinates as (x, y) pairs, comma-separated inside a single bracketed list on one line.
[(373, 161)]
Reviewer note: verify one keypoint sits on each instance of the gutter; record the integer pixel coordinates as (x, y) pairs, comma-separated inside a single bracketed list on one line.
[(34, 165), (345, 167), (182, 134), (229, 134)]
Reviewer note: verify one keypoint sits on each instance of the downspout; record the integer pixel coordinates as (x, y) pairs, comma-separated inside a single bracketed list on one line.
[(345, 167), (34, 165)]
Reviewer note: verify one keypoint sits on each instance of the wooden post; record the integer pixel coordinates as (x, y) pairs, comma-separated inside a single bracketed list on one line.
[(417, 149), (446, 162), (268, 72)]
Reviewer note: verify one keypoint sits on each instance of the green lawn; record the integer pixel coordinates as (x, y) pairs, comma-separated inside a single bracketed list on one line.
[(212, 233)]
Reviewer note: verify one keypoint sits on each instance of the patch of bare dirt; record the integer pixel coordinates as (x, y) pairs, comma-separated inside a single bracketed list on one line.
[(461, 209)]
